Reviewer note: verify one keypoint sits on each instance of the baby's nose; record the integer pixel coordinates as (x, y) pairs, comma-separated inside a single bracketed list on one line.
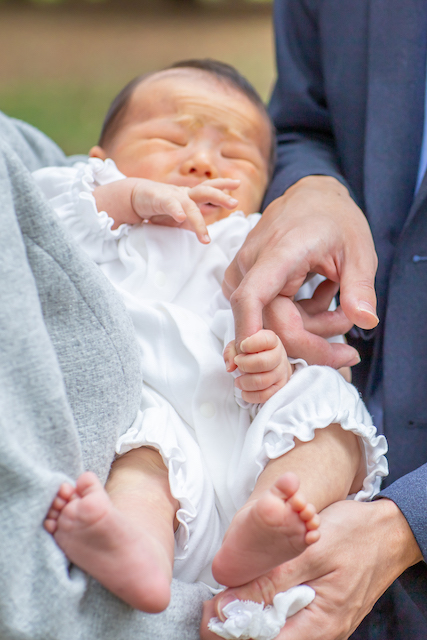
[(201, 166)]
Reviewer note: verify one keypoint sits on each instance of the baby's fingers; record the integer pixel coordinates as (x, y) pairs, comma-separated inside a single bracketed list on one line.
[(203, 194), (257, 390), (222, 183), (195, 221), (262, 340), (263, 351), (258, 362), (172, 207), (230, 353), (256, 381)]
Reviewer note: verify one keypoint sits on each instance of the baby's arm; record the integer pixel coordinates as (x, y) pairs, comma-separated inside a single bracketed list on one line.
[(263, 363), (134, 199)]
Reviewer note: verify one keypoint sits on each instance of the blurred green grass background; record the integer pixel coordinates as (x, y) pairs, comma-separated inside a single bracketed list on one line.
[(61, 68)]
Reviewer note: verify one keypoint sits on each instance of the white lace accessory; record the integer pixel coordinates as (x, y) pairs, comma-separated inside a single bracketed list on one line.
[(251, 620)]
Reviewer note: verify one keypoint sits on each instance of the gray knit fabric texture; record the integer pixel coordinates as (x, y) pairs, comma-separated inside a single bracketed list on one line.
[(70, 383)]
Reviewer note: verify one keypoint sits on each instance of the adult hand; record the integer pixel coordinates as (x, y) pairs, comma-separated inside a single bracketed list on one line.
[(303, 326), (314, 227), (349, 568)]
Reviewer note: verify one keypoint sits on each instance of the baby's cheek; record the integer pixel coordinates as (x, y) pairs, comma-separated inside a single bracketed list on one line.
[(250, 198)]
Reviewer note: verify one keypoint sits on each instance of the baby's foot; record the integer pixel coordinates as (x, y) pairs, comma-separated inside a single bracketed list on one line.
[(266, 532), (98, 538)]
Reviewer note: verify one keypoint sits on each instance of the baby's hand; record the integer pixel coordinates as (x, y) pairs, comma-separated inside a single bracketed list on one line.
[(180, 206), (264, 365)]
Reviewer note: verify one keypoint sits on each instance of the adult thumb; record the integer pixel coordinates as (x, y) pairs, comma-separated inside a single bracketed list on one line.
[(357, 296)]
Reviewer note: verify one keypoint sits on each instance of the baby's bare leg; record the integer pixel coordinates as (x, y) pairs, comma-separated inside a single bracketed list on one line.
[(122, 535), (277, 523)]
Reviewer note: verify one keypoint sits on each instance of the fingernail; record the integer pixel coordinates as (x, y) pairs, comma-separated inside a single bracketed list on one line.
[(367, 308), (223, 601), (233, 201), (228, 365), (242, 345), (206, 238), (353, 361)]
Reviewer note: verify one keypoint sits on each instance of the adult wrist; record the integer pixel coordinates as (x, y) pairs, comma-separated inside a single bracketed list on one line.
[(399, 541), (318, 183)]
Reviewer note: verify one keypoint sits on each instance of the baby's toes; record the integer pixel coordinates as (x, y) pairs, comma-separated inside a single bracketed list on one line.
[(312, 536), (65, 492), (313, 523), (53, 514), (50, 524), (87, 483), (288, 485), (58, 504), (308, 514), (298, 502)]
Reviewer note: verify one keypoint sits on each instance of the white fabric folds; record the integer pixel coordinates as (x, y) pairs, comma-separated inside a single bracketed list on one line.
[(251, 620)]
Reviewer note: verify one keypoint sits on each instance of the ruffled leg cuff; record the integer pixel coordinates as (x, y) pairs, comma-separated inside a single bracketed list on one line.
[(314, 398), (200, 532)]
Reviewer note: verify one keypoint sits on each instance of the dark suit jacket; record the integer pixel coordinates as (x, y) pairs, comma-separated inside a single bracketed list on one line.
[(349, 102)]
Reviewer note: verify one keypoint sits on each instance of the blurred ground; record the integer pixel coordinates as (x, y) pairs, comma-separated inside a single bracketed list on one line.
[(60, 70)]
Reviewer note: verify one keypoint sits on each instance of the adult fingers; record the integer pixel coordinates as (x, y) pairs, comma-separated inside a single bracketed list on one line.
[(357, 290), (301, 343), (264, 588), (322, 297), (314, 623), (359, 302), (257, 289), (261, 269), (316, 350), (208, 613), (325, 323)]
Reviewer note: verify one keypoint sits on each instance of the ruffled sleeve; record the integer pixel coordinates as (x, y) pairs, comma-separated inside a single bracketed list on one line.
[(69, 191)]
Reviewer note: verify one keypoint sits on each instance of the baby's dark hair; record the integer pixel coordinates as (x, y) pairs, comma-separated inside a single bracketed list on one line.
[(222, 72)]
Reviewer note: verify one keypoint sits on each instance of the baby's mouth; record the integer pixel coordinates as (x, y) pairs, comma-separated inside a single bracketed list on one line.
[(207, 207)]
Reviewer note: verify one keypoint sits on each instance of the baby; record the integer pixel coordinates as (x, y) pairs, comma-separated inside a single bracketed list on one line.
[(207, 479)]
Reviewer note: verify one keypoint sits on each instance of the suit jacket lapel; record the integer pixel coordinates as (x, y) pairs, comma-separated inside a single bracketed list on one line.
[(420, 198)]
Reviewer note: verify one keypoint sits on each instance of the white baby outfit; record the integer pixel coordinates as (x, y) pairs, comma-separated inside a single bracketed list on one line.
[(214, 444)]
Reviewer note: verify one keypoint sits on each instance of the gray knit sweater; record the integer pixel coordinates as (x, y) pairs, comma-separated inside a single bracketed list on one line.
[(70, 384)]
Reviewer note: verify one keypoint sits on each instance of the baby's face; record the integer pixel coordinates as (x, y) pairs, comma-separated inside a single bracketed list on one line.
[(183, 126)]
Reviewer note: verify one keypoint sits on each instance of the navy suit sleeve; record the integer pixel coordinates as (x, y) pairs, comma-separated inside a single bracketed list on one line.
[(410, 495), (298, 104)]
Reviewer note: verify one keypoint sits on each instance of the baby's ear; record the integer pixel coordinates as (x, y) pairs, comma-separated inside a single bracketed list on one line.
[(97, 152)]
